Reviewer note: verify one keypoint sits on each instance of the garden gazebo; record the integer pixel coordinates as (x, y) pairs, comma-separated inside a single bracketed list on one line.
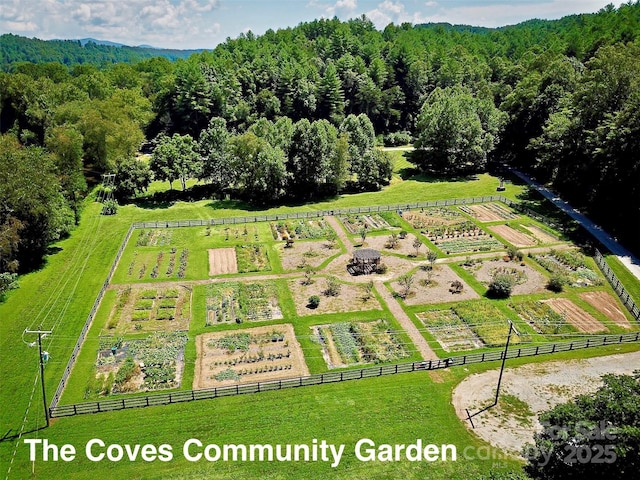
[(364, 262)]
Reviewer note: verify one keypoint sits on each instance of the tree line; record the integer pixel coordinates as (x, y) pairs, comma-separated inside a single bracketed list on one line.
[(295, 114)]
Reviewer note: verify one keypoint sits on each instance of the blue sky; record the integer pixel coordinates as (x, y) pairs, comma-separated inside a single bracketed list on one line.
[(205, 23)]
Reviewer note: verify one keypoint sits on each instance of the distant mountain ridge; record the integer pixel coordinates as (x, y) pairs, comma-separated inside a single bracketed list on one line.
[(15, 49)]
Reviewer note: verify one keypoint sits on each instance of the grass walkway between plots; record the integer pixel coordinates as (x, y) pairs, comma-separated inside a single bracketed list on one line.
[(60, 295)]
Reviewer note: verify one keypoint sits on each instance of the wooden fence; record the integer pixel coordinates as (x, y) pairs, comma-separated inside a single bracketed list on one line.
[(333, 377)]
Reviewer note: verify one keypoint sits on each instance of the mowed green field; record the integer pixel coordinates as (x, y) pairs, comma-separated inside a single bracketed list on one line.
[(397, 409)]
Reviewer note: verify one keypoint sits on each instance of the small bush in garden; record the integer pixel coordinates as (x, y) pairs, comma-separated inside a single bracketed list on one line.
[(382, 268), (333, 288), (110, 207), (402, 234), (555, 284), (314, 301), (501, 286)]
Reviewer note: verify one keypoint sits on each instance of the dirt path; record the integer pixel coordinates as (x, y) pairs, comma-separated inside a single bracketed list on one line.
[(335, 224), (541, 386), (405, 322)]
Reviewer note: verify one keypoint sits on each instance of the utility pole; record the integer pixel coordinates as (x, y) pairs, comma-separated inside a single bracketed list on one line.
[(504, 359), (40, 333)]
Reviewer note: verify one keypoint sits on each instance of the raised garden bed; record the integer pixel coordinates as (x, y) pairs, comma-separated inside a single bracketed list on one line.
[(241, 302), (301, 229), (480, 242), (152, 363), (571, 266), (489, 212), (149, 310), (248, 356), (355, 223), (487, 322), (450, 331), (252, 258), (350, 343), (428, 218)]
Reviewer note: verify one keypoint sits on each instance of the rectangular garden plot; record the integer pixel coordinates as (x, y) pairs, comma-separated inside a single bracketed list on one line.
[(609, 306), (301, 229), (166, 263), (576, 316), (222, 261), (150, 310), (344, 297), (571, 266), (513, 236), (526, 279), (300, 255), (478, 242), (428, 218), (489, 212), (153, 363), (486, 321), (351, 343), (541, 235), (450, 331), (241, 302), (436, 286), (542, 318), (355, 223), (248, 356)]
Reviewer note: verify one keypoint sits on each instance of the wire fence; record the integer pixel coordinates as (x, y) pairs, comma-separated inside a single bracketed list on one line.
[(87, 324), (617, 286), (334, 377), (162, 399), (322, 213)]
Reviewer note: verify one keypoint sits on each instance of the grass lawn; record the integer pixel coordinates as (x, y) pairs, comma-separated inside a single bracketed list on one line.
[(58, 297)]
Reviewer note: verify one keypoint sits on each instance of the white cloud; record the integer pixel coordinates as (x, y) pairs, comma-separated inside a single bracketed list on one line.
[(127, 21), (431, 4), (341, 7), (393, 12)]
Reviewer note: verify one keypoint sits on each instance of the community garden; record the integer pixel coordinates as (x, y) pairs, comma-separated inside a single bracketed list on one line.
[(208, 284)]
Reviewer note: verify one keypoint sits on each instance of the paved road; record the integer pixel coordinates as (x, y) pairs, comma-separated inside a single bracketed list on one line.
[(625, 256)]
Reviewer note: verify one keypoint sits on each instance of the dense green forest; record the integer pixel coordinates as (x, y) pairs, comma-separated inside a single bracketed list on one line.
[(295, 114), (15, 50)]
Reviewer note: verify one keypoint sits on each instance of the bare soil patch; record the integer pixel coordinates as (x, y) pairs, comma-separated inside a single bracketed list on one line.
[(262, 354), (530, 280), (541, 386), (513, 236), (489, 212), (438, 290), (576, 316), (149, 309), (351, 298), (605, 303), (542, 236), (304, 254), (432, 217), (403, 246), (222, 261)]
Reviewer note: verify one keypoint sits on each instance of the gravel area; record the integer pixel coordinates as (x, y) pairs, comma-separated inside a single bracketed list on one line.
[(541, 386)]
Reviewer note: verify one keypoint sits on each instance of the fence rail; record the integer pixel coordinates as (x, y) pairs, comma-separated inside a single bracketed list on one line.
[(617, 286), (87, 324), (163, 399), (332, 377), (322, 213)]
